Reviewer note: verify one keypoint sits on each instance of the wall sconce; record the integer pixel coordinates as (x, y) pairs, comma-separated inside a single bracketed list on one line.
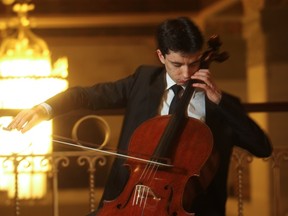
[(26, 78)]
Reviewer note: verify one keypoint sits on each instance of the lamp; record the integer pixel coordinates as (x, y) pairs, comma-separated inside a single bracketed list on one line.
[(26, 78)]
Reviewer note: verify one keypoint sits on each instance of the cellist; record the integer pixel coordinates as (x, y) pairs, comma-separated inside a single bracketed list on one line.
[(148, 93)]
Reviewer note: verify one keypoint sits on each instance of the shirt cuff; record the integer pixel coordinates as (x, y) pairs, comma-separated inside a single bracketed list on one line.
[(48, 109)]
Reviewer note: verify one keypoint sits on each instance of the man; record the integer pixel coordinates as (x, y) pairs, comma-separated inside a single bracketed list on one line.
[(148, 93)]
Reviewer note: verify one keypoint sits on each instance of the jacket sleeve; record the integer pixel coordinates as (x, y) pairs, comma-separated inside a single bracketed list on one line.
[(109, 95), (248, 135)]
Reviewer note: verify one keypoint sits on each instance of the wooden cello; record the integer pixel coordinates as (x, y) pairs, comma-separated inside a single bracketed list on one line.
[(179, 149)]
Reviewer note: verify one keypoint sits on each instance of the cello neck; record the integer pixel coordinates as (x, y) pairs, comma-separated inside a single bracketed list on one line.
[(175, 125)]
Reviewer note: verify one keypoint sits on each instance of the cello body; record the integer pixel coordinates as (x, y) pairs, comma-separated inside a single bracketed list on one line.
[(155, 189)]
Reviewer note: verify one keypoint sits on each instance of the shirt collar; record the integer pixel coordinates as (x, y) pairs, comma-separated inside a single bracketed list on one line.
[(169, 81)]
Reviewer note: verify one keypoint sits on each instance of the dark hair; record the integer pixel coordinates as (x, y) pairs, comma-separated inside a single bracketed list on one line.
[(179, 35)]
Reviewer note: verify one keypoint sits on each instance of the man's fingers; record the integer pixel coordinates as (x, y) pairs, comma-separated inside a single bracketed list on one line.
[(34, 120), (27, 127), (20, 120), (27, 119)]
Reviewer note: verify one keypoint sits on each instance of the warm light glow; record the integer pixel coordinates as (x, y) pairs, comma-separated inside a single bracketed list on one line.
[(25, 67), (26, 92), (31, 171), (26, 79)]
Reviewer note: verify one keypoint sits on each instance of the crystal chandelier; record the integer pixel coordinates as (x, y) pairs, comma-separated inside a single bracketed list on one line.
[(27, 77)]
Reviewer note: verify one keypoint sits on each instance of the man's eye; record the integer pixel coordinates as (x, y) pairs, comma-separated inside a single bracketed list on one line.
[(177, 65), (195, 64)]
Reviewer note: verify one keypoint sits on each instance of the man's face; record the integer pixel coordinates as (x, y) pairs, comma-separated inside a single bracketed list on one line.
[(180, 67)]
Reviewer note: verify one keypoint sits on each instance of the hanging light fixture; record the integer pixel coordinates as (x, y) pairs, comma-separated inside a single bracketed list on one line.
[(27, 77)]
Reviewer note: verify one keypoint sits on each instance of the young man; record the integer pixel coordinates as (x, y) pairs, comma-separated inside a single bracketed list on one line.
[(147, 93)]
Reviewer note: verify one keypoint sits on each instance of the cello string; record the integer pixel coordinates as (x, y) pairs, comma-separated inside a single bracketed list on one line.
[(149, 170), (154, 174), (145, 200), (142, 191), (146, 170), (134, 202)]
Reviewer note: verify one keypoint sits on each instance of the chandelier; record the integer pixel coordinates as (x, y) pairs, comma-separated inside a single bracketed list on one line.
[(27, 78)]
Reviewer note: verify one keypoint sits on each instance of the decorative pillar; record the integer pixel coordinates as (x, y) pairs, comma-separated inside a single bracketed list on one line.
[(256, 78)]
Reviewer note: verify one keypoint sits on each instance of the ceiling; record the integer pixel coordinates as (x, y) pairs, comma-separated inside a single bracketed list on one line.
[(108, 17), (67, 7)]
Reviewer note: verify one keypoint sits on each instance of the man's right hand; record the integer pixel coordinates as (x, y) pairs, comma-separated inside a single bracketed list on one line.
[(27, 119)]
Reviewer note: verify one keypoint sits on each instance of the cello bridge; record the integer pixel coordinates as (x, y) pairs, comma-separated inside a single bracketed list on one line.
[(141, 194)]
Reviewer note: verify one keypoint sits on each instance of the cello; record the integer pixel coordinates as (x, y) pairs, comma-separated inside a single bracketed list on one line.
[(181, 159)]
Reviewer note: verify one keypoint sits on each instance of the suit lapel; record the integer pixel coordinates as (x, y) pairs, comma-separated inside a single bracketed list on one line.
[(156, 91)]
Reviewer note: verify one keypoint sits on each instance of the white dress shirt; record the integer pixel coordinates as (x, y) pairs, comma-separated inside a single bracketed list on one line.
[(196, 106)]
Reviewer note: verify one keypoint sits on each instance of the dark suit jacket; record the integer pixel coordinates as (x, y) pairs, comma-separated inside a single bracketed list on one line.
[(140, 94)]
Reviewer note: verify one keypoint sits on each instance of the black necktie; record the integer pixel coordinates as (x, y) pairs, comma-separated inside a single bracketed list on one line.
[(176, 89)]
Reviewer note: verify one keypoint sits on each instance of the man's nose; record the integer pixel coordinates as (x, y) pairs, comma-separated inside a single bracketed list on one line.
[(186, 72)]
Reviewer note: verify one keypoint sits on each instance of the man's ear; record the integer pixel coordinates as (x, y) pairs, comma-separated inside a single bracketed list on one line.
[(160, 56)]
